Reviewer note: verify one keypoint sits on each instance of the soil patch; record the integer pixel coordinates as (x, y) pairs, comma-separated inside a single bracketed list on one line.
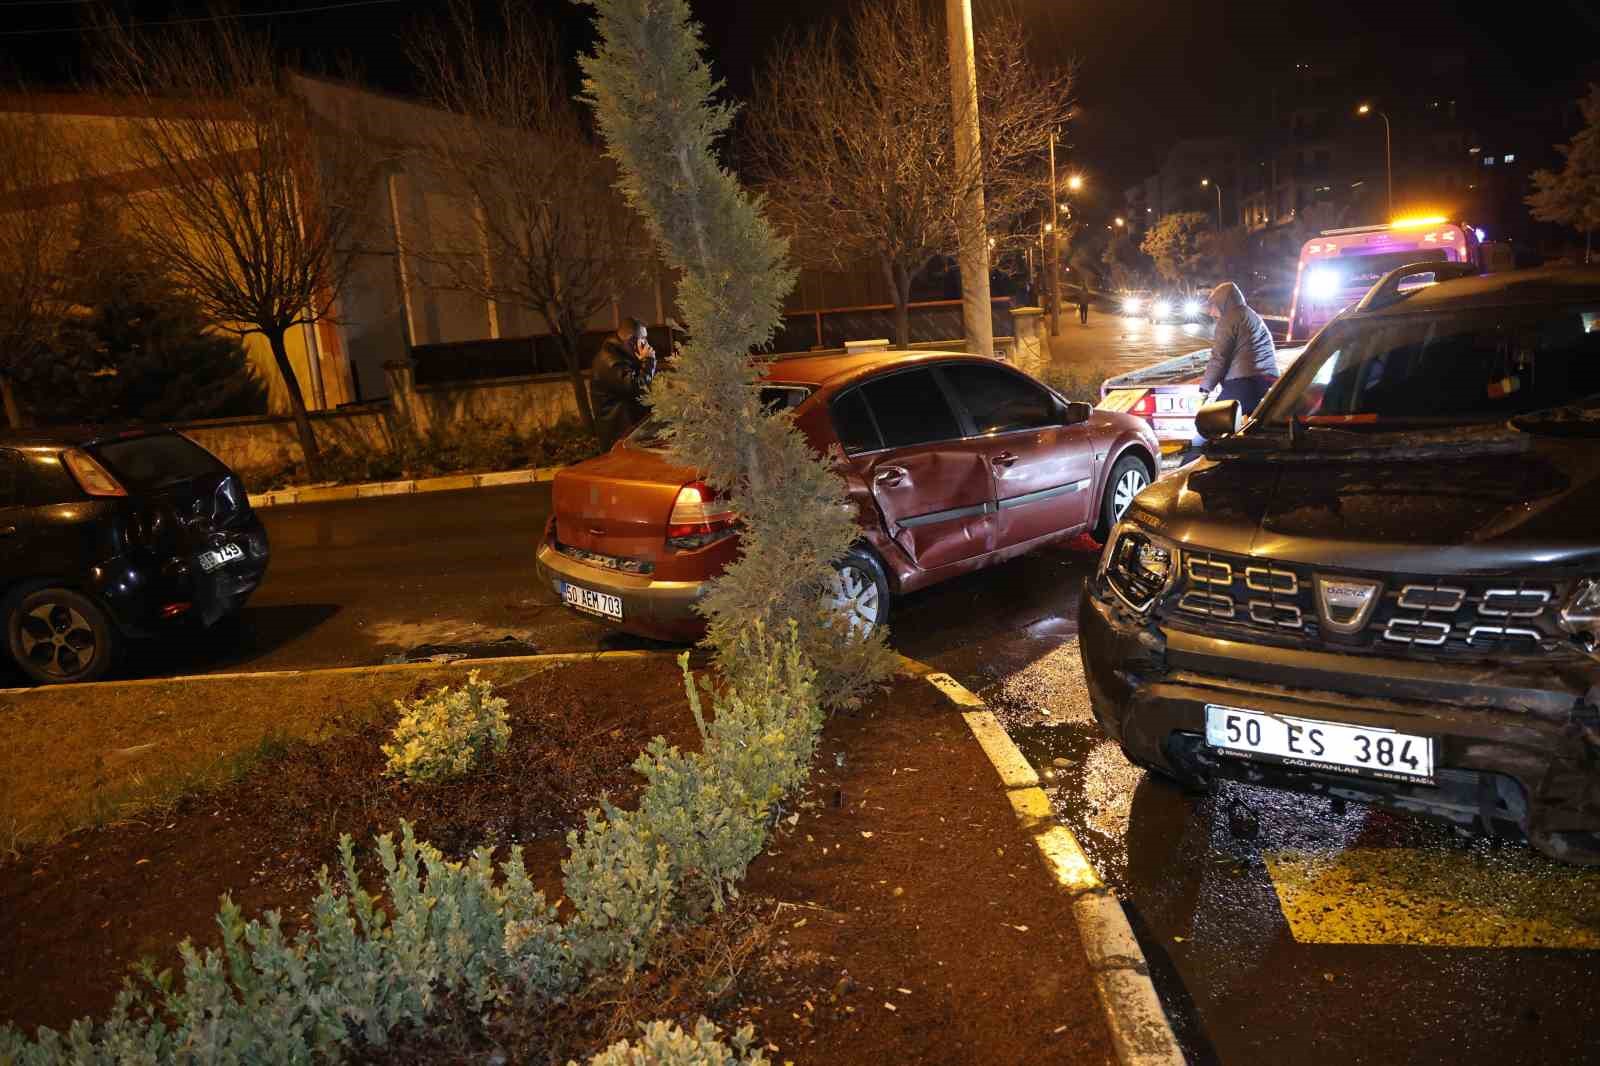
[(80, 755), (75, 915), (899, 915), (915, 921)]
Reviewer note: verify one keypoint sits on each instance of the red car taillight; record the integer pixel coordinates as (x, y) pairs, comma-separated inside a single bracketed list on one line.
[(1145, 407), (697, 518), (93, 478)]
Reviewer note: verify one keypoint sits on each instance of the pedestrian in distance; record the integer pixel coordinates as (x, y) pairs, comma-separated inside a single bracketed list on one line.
[(622, 371), (1083, 304), (1244, 361)]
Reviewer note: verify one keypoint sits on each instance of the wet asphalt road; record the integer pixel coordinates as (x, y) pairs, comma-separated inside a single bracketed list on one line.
[(1279, 929)]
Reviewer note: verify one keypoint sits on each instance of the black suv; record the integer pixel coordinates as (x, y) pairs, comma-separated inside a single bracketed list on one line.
[(105, 538), (1386, 585)]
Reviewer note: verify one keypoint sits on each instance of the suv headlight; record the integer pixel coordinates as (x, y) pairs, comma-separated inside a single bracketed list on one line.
[(1581, 615), (1138, 565)]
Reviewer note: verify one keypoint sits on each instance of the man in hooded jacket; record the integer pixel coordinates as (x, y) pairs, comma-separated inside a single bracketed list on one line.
[(621, 372), (1243, 360)]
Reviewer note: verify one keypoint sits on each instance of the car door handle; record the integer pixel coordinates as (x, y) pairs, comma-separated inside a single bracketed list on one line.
[(1004, 459), (889, 476)]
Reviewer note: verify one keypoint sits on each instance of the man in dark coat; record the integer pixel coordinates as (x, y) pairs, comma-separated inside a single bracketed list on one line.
[(621, 372), (1243, 360)]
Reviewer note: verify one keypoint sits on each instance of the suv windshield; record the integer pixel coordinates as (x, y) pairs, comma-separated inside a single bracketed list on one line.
[(1481, 365)]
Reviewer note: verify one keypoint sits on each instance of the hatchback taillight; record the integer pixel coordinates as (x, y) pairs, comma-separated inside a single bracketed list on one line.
[(93, 478), (698, 518)]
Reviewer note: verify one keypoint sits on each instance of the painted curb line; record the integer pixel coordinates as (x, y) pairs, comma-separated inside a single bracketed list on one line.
[(1140, 1030), (334, 671), (368, 489)]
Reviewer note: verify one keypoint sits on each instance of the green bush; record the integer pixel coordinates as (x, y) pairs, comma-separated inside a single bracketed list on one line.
[(1080, 381), (447, 732), (664, 1044)]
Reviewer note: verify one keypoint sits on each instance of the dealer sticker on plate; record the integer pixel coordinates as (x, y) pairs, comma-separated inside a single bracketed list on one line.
[(591, 602), (1311, 744)]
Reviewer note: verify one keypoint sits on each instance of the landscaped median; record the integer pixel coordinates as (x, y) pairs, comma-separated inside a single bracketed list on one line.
[(898, 912)]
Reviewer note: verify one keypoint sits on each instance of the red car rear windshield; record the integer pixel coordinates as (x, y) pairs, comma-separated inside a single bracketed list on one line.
[(150, 462)]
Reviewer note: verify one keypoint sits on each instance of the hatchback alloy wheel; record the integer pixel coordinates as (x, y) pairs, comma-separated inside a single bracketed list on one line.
[(1130, 484), (856, 595), (58, 635), (57, 639)]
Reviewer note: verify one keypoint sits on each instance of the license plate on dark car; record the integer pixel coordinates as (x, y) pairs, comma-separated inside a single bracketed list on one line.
[(589, 601), (1312, 744), (228, 553)]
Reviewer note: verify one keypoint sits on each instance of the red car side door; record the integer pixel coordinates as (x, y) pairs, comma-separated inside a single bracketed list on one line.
[(1043, 468), (929, 481)]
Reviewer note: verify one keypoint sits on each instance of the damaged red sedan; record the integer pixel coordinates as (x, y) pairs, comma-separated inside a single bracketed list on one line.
[(955, 463), (1386, 585)]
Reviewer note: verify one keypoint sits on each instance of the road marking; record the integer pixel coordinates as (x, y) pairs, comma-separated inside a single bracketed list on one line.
[(1433, 898), (1141, 1033)]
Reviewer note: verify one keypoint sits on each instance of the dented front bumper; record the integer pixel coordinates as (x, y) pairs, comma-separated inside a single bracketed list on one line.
[(1517, 746)]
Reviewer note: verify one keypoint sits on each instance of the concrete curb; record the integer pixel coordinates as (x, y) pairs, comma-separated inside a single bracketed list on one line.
[(379, 668), (449, 483), (1140, 1030)]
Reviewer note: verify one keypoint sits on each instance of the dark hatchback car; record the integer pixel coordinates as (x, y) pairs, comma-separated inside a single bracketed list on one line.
[(1386, 585), (109, 538)]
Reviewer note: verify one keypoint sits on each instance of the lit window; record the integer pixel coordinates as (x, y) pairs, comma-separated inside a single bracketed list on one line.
[(1488, 160), (1511, 159)]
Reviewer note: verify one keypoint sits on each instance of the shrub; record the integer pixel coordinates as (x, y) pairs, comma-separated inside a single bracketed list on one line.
[(1080, 381), (664, 1044), (447, 732)]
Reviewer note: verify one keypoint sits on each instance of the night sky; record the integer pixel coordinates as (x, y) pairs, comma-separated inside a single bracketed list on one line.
[(1149, 72)]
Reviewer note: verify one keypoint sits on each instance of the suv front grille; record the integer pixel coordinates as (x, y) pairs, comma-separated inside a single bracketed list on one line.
[(1417, 615)]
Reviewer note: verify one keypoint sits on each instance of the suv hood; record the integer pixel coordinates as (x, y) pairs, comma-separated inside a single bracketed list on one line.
[(1476, 513)]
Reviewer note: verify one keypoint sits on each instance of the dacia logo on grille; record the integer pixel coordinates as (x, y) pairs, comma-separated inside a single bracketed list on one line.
[(1346, 603)]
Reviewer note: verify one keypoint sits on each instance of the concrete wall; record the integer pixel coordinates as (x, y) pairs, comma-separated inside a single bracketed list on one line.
[(268, 443)]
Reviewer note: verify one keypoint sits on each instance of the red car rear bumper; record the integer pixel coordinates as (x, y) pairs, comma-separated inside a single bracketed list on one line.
[(662, 610)]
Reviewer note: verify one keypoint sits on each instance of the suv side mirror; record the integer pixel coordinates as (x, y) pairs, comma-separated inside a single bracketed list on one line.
[(1218, 419), (1076, 411)]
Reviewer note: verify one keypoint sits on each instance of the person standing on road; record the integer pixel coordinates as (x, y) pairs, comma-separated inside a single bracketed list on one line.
[(1244, 361), (622, 371), (1083, 304)]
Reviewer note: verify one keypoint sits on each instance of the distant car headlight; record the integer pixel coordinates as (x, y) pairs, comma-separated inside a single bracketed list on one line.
[(1161, 309), (1191, 307), (1132, 303), (1322, 284), (1581, 615), (1138, 565)]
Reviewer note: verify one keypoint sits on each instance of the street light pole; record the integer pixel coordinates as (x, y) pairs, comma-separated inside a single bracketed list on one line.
[(1216, 186), (976, 311), (1388, 155), (1053, 266)]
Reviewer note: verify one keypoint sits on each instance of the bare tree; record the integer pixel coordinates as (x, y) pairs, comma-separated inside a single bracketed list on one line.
[(850, 138), (36, 225), (255, 202), (543, 228)]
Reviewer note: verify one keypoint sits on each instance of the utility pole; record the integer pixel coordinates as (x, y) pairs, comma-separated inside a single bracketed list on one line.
[(1054, 264), (976, 310)]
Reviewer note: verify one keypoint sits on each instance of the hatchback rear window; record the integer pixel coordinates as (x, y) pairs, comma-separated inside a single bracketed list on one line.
[(151, 462)]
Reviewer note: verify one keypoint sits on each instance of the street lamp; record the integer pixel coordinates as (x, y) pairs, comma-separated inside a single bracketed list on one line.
[(1388, 157), (1121, 222), (1075, 182), (1208, 183)]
